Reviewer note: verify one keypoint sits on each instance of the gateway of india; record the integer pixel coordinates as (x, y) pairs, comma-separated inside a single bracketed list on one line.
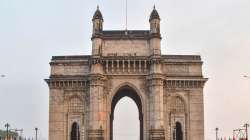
[(167, 89)]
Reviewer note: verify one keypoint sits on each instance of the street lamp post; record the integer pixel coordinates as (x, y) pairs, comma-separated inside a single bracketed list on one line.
[(7, 125), (246, 125), (234, 134), (36, 129), (216, 132)]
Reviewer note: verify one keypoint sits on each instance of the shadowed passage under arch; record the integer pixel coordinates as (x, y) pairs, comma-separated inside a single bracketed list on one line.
[(126, 91), (75, 133), (179, 134)]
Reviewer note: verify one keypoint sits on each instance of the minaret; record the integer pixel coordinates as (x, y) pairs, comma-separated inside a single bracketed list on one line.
[(155, 41)]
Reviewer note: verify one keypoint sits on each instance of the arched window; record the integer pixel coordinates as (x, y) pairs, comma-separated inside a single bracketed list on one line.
[(178, 131), (75, 133)]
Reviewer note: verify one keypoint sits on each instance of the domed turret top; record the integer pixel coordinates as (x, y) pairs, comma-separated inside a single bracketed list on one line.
[(154, 15), (98, 14)]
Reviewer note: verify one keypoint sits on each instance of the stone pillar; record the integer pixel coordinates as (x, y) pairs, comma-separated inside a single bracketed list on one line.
[(196, 114), (56, 110), (97, 110), (97, 100), (155, 81), (156, 110)]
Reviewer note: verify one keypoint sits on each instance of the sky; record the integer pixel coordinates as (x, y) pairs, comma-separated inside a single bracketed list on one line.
[(32, 31)]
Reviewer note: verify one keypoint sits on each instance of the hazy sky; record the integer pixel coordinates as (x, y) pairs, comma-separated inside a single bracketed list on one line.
[(31, 31)]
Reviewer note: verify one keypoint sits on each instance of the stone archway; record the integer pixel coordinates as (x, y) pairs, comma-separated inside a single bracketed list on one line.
[(126, 91)]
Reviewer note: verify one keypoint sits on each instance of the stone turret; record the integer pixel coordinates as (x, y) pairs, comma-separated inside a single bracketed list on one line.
[(97, 22), (154, 22), (97, 42), (97, 32), (155, 35)]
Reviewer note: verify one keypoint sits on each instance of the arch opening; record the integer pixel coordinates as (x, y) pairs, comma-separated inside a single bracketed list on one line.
[(75, 132), (126, 91), (126, 124), (179, 134)]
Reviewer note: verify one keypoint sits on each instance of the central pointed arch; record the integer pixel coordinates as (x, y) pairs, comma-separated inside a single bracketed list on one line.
[(126, 91)]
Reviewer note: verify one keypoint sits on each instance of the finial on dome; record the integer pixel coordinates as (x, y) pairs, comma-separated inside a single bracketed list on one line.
[(98, 14), (154, 14)]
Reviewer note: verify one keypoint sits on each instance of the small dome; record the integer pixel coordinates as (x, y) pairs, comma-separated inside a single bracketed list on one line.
[(154, 15), (98, 14)]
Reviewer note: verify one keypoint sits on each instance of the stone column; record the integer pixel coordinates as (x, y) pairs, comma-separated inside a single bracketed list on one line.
[(155, 81), (196, 114), (97, 110), (56, 110)]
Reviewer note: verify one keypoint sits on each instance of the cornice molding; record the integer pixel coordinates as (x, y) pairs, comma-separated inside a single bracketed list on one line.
[(67, 84), (184, 83)]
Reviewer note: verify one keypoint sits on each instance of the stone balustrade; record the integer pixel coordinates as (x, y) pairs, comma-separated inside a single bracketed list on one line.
[(125, 66)]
